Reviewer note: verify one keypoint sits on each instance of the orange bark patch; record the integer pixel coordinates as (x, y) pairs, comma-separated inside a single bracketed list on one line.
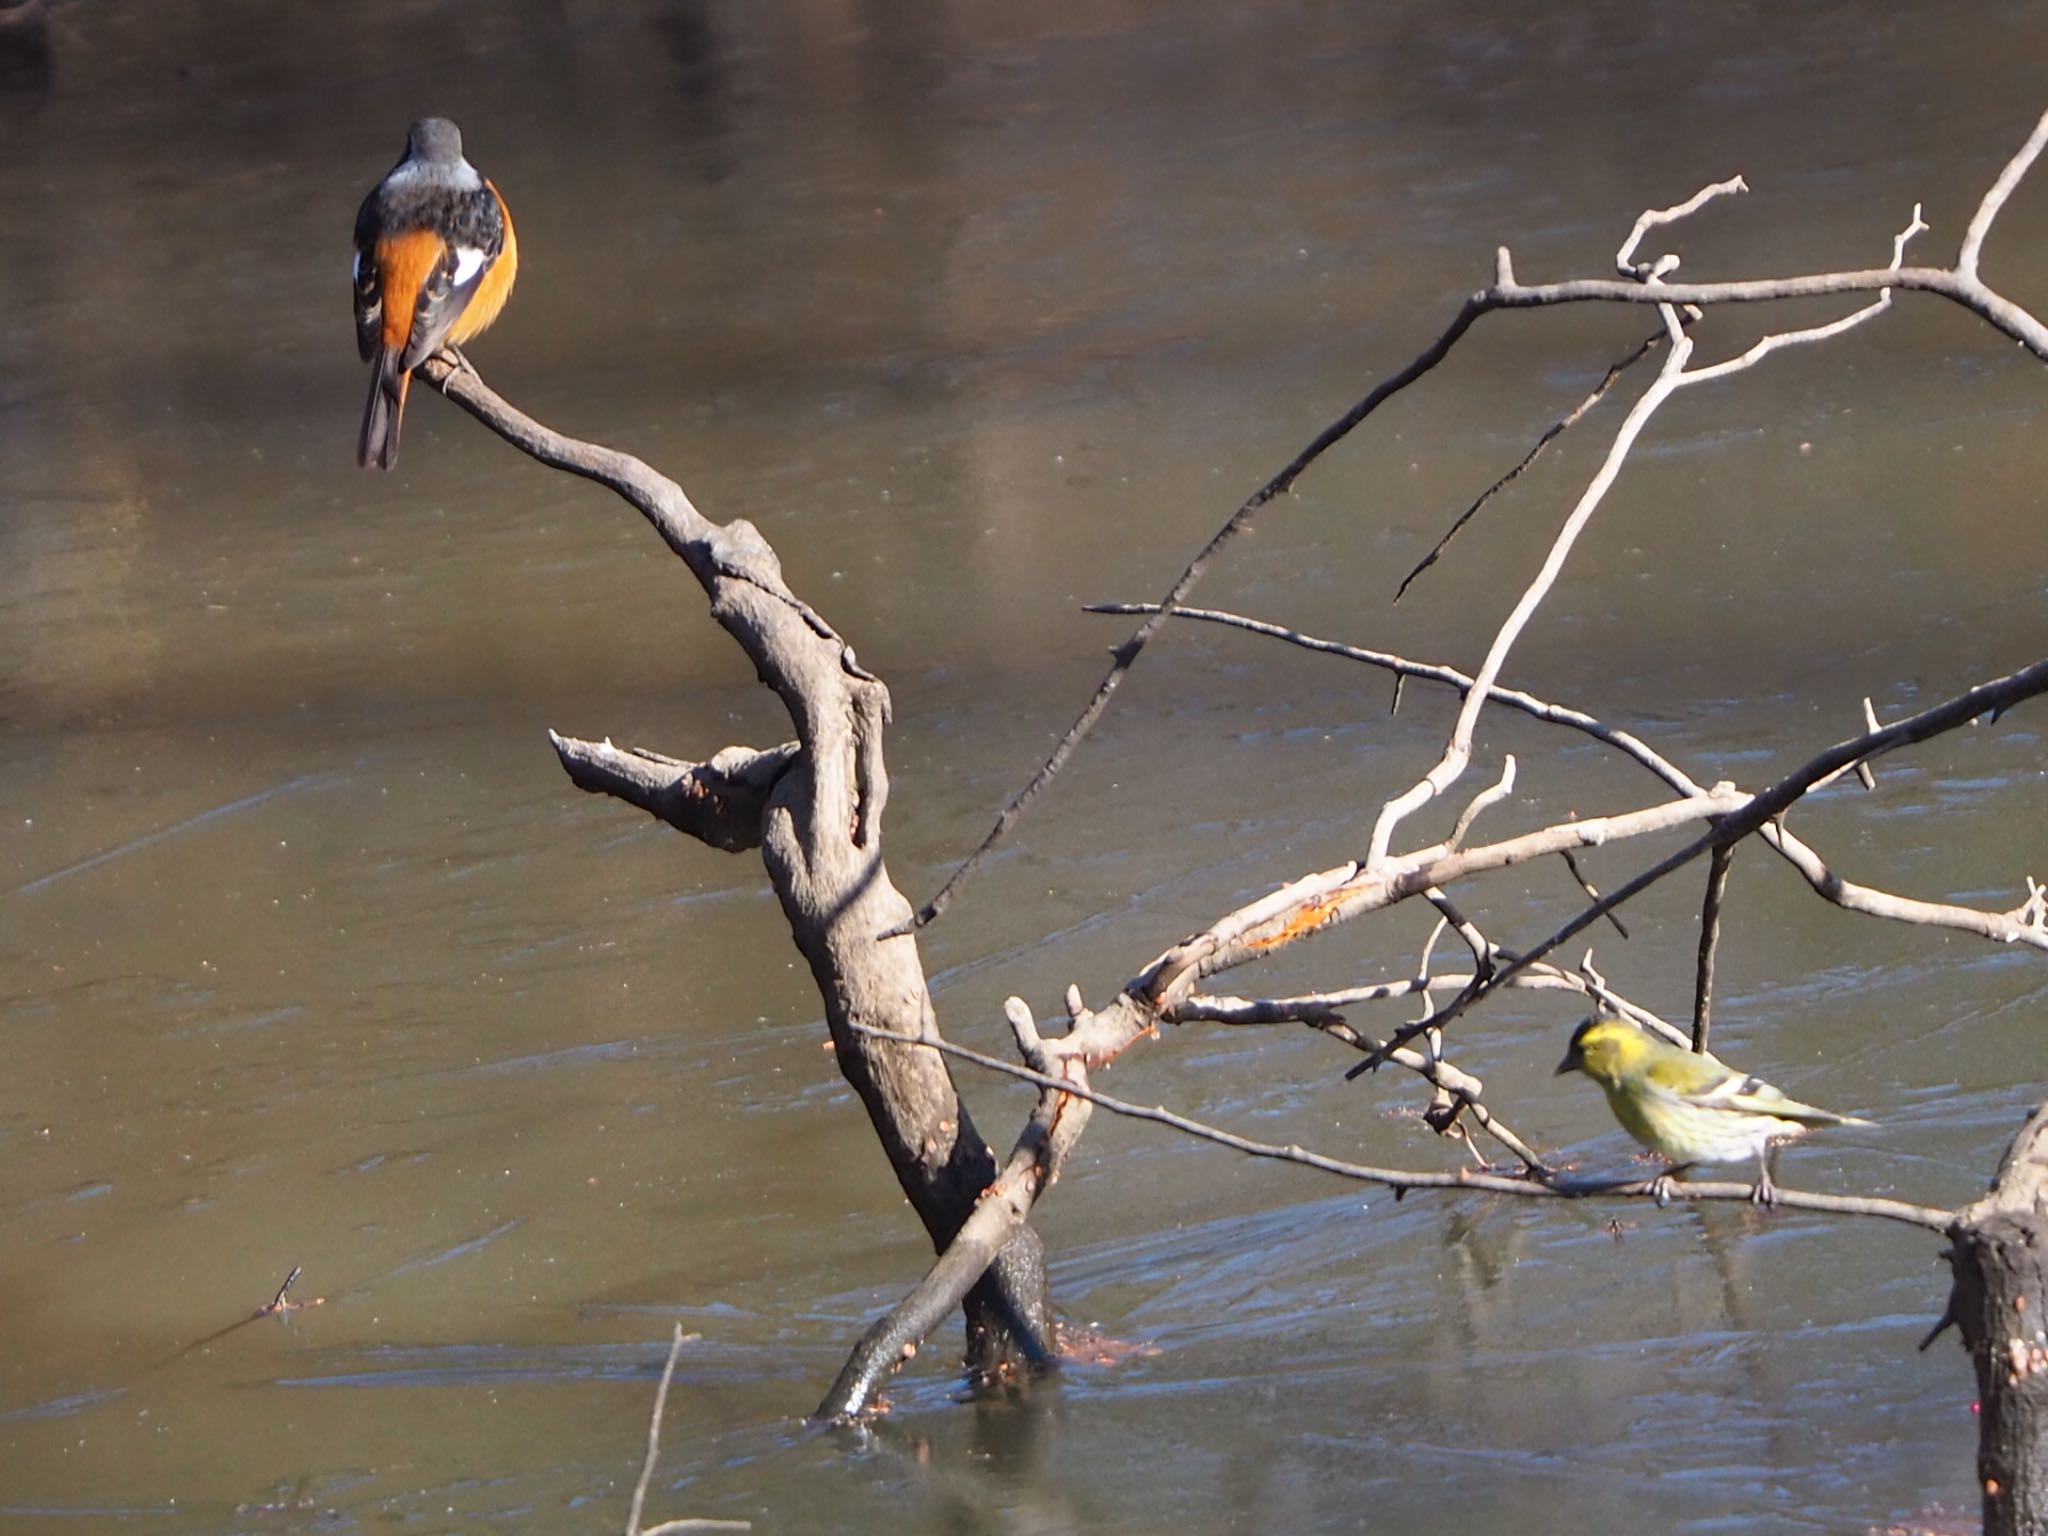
[(1316, 913)]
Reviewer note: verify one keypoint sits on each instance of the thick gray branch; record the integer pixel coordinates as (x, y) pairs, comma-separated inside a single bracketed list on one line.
[(818, 821), (1049, 1135), (1945, 282), (720, 802)]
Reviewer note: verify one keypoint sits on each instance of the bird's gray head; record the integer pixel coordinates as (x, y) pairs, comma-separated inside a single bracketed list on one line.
[(435, 140)]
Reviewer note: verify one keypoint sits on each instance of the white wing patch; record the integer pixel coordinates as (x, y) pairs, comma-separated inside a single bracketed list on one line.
[(355, 268), (468, 262)]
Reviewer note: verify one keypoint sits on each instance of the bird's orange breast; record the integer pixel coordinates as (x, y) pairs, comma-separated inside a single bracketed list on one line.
[(494, 287)]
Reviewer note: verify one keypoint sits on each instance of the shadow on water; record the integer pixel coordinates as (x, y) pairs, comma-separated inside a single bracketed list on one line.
[(308, 955)]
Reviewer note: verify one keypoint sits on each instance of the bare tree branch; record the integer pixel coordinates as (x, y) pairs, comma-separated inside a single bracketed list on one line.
[(1571, 863), (1556, 429), (1994, 198), (2021, 925), (818, 829), (1322, 900), (1456, 1093), (1498, 791), (1944, 282), (647, 1465), (1960, 710), (1870, 723), (1002, 1209), (1401, 1180), (1710, 943), (1656, 218), (1458, 750), (1960, 285), (721, 802)]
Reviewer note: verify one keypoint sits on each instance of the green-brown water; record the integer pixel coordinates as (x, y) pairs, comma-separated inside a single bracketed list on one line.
[(310, 955)]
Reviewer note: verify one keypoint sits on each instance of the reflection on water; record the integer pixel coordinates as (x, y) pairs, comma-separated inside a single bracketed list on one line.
[(308, 955)]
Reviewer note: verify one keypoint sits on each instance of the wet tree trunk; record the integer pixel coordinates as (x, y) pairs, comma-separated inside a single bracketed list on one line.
[(837, 910), (814, 809), (2000, 1304)]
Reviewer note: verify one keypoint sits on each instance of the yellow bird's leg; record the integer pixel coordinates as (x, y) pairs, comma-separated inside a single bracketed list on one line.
[(1766, 1191), (1660, 1186)]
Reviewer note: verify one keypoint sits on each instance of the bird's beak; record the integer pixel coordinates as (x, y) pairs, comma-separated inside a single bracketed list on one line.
[(1571, 1063)]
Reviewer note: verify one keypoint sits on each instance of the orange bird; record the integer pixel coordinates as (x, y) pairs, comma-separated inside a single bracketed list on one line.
[(435, 260)]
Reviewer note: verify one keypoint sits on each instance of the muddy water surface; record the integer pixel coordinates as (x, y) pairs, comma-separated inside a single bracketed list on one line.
[(310, 956)]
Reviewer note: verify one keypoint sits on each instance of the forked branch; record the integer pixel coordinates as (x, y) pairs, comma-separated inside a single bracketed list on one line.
[(1644, 284)]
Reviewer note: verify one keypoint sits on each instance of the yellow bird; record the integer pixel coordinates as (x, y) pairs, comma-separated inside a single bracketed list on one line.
[(1686, 1105)]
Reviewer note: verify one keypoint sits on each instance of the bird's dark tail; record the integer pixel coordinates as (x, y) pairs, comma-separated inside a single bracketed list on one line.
[(384, 411)]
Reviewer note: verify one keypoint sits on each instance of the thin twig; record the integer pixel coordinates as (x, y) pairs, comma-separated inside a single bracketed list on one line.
[(653, 1456), (1864, 776), (1710, 942), (1614, 1002), (1586, 982), (1492, 796), (1458, 750), (1655, 218), (1481, 947), (1557, 428), (2000, 694), (1317, 1008), (1402, 668), (1128, 652), (2024, 924), (1592, 891), (1446, 1078), (647, 1465), (1994, 199), (1401, 1180)]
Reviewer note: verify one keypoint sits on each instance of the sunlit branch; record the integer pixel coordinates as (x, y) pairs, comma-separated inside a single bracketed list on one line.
[(720, 803), (2021, 925), (1672, 376), (1556, 430), (1987, 698), (1458, 750), (1320, 901), (1960, 284), (1656, 218), (1051, 1132), (1401, 1180)]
